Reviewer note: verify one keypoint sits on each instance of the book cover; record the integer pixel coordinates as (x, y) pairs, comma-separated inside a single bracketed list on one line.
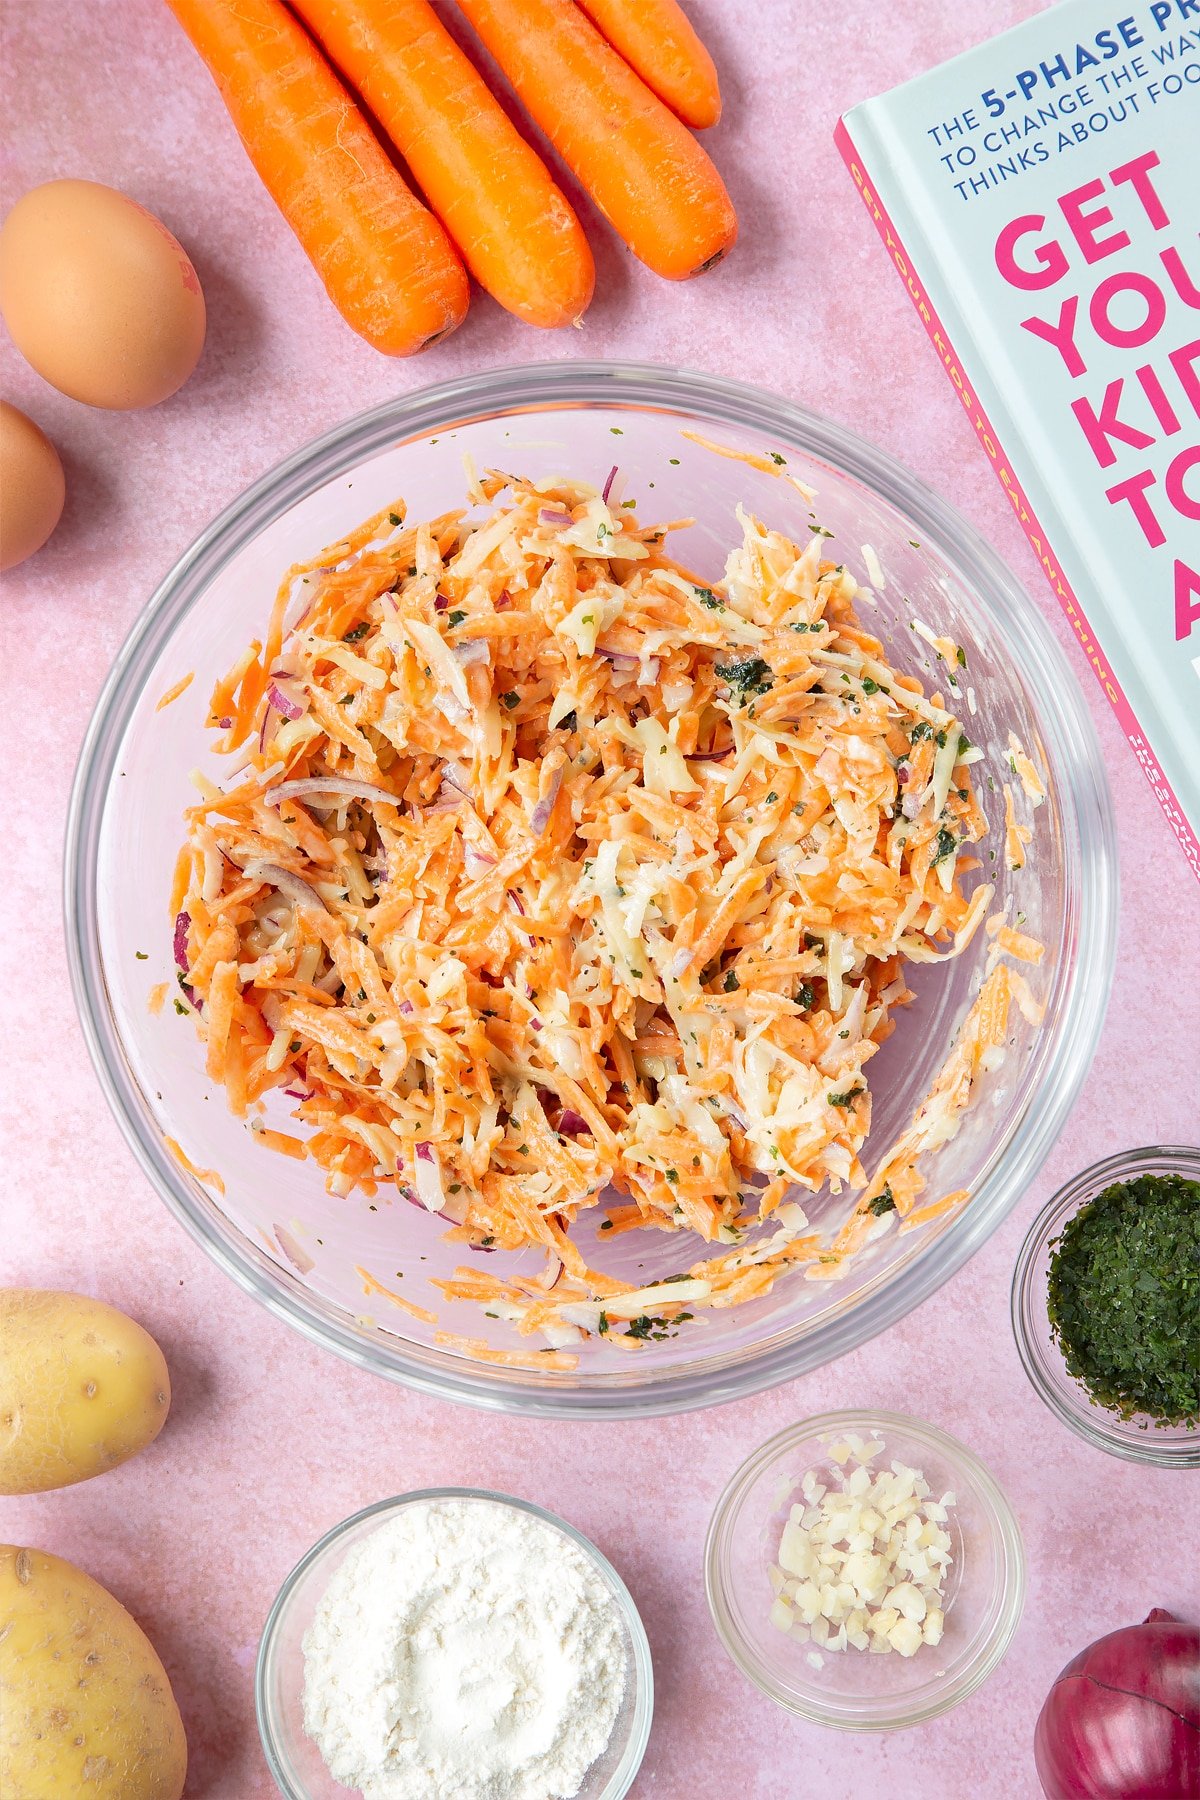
[(1040, 199)]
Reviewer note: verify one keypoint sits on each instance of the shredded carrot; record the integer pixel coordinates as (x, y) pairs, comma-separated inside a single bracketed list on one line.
[(372, 1285), (173, 693), (156, 996), (551, 871), (209, 1176)]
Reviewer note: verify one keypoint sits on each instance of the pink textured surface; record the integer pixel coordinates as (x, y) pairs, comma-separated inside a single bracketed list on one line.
[(271, 1441)]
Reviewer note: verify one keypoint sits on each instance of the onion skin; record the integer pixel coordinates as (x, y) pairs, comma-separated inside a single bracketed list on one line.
[(1122, 1721)]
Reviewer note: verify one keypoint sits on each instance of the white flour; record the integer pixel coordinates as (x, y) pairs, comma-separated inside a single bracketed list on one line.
[(465, 1650)]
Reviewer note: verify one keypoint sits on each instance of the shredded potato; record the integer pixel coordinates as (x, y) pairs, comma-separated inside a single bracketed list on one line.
[(550, 870)]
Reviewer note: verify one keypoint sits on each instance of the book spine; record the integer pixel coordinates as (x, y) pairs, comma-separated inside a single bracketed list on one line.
[(1017, 497)]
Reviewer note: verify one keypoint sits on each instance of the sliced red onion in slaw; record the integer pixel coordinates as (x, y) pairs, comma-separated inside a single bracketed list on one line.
[(294, 887), (555, 515), (539, 818), (573, 1124), (295, 1252), (608, 486), (283, 701), (182, 922), (337, 787)]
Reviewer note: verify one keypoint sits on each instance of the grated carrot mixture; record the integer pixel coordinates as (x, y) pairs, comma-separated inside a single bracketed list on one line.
[(550, 870)]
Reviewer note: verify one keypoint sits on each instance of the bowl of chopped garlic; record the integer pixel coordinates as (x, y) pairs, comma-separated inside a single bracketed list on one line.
[(865, 1571), (590, 1009)]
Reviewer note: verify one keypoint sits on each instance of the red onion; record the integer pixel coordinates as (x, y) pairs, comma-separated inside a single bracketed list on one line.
[(549, 1276), (475, 650), (573, 1124), (282, 701), (477, 860), (680, 963), (295, 1252), (181, 936), (441, 603), (299, 1093), (1123, 1717), (620, 659), (407, 1007), (291, 886), (429, 1178), (225, 724), (504, 598), (903, 772), (710, 755), (540, 816), (555, 515), (333, 787), (516, 899), (612, 476)]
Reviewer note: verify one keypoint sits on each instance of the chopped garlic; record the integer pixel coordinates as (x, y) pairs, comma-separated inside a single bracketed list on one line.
[(862, 1561)]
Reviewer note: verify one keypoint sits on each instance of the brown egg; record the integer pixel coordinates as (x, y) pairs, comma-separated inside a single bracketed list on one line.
[(99, 296), (31, 487)]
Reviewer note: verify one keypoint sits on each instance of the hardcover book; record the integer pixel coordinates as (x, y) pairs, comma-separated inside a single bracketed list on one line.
[(1040, 200)]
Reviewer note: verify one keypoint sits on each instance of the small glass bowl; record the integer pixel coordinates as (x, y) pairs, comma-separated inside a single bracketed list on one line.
[(1138, 1439), (855, 1690), (293, 1758)]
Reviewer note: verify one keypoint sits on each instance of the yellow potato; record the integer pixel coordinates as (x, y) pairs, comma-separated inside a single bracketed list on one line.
[(81, 1389), (85, 1704)]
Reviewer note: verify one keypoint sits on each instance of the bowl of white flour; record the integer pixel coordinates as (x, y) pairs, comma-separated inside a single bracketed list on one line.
[(455, 1643)]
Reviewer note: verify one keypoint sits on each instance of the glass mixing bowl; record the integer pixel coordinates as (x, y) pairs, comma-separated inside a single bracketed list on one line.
[(295, 1761), (268, 1221)]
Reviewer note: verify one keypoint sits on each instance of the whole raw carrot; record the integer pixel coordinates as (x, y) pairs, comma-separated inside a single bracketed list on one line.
[(491, 190), (645, 171), (386, 263), (659, 42)]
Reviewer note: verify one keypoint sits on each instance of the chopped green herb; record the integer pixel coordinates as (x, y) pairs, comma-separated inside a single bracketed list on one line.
[(884, 1202), (356, 632), (602, 1324), (947, 844), (673, 1177), (456, 617), (779, 461), (181, 1008), (813, 943), (511, 699), (731, 984), (706, 597), (771, 798), (1123, 1298), (748, 676), (142, 955), (394, 519), (960, 657), (922, 729), (846, 1099), (805, 995)]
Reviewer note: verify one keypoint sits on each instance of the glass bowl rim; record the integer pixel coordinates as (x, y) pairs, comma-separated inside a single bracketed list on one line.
[(641, 1662), (1006, 1525), (1097, 1426), (1091, 894)]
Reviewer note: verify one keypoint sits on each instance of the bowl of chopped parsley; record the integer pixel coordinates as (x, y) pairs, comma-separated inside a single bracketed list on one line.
[(1106, 1305)]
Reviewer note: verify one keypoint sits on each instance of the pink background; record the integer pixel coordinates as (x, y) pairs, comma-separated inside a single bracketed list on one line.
[(270, 1441)]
